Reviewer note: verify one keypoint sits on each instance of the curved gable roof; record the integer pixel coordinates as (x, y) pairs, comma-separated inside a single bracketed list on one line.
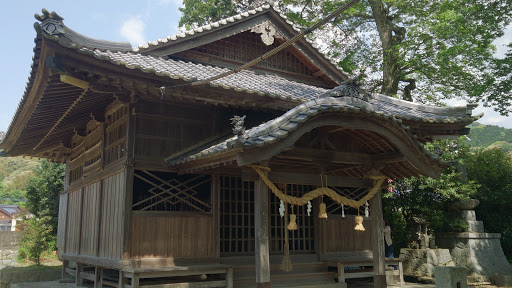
[(340, 111), (240, 23)]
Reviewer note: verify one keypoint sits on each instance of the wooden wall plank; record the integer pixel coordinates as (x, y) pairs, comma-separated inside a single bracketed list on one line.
[(338, 235), (73, 225), (90, 220), (172, 237), (61, 227), (111, 220)]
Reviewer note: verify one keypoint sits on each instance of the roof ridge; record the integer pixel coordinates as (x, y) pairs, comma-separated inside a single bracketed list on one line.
[(209, 26)]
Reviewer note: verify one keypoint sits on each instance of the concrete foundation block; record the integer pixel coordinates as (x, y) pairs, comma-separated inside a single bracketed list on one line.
[(451, 277)]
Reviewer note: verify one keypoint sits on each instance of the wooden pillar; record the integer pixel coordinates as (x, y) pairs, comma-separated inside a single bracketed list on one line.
[(216, 215), (98, 277), (379, 269), (79, 281), (65, 265), (129, 174), (261, 208)]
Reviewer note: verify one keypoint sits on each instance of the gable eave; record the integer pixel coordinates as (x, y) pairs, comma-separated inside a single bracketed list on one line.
[(237, 24)]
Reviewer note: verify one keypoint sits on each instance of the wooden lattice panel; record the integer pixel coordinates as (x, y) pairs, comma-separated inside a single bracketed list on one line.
[(93, 148), (247, 46), (162, 191), (236, 216), (76, 160), (301, 240), (115, 136)]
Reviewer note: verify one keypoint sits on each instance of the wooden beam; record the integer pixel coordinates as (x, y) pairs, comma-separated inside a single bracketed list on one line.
[(319, 73), (74, 81), (261, 239), (309, 179), (309, 154), (379, 268)]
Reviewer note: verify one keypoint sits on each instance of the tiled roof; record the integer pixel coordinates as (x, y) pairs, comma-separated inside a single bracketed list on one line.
[(280, 127), (247, 81), (272, 85)]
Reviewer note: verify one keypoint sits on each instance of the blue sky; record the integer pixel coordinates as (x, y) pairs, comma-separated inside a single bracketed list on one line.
[(134, 21)]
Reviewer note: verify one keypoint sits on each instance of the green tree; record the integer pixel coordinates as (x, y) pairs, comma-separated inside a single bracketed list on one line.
[(426, 198), (423, 50), (43, 192), (429, 198), (37, 235), (492, 169), (199, 12)]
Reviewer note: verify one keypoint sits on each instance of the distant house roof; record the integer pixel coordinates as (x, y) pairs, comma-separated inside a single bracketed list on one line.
[(10, 209)]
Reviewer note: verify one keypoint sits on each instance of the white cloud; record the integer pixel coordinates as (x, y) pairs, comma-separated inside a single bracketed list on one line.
[(501, 42), (133, 30), (496, 120)]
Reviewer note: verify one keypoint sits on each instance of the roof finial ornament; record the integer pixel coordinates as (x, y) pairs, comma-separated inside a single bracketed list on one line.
[(51, 23), (268, 32), (238, 125)]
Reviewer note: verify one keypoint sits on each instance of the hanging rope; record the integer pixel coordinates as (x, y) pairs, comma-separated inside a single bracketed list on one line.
[(286, 265), (322, 191)]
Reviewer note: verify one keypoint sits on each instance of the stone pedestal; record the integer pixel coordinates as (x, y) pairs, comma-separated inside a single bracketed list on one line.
[(479, 252), (451, 277), (421, 262), (473, 225)]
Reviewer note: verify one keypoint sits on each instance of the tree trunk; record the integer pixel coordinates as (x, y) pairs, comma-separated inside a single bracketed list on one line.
[(390, 35)]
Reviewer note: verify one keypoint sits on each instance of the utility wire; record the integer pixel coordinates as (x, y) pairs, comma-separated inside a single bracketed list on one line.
[(272, 52)]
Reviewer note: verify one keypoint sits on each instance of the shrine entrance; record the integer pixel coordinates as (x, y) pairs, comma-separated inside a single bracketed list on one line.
[(237, 220)]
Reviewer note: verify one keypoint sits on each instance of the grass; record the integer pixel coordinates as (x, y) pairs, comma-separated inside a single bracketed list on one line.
[(48, 261)]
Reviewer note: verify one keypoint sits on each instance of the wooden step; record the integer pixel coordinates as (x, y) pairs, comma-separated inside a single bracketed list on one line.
[(318, 285), (304, 279), (298, 268)]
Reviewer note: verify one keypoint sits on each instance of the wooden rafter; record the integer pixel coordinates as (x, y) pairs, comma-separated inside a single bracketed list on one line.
[(77, 100)]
